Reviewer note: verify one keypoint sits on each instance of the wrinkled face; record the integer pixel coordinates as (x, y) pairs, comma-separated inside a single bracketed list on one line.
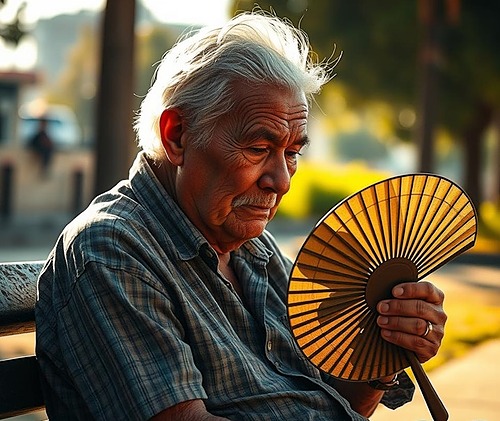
[(231, 189)]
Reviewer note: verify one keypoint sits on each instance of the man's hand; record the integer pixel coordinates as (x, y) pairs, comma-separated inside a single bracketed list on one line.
[(404, 320), (193, 410)]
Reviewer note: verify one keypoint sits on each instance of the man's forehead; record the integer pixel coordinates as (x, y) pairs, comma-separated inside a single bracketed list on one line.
[(267, 92)]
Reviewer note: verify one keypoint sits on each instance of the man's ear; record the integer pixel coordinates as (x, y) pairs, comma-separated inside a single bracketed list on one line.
[(171, 131)]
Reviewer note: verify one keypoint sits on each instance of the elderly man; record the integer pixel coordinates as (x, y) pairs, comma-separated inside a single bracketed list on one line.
[(165, 299)]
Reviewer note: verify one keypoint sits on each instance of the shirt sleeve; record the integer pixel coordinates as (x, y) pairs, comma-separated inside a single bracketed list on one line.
[(124, 346)]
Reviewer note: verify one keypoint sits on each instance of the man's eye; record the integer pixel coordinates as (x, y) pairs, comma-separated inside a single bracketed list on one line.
[(259, 151), (294, 154)]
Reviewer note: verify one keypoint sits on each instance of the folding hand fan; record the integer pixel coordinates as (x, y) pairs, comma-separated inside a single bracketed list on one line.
[(397, 230)]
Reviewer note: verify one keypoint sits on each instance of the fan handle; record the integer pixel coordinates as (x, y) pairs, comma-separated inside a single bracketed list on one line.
[(436, 407)]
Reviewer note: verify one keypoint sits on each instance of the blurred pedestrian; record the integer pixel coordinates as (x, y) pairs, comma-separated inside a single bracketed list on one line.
[(42, 145)]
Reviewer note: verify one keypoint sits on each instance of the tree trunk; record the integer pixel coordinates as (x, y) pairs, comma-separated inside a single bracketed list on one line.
[(114, 134), (496, 162), (472, 137), (428, 60)]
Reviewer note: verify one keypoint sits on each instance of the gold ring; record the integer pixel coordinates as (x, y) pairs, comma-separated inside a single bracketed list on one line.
[(428, 329)]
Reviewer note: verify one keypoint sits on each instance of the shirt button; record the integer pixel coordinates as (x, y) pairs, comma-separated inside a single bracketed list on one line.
[(269, 345)]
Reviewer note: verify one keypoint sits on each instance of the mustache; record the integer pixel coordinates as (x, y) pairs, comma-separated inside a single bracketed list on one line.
[(267, 201)]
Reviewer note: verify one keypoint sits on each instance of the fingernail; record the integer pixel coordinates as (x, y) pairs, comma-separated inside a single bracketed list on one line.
[(383, 320), (398, 292), (383, 307), (386, 333)]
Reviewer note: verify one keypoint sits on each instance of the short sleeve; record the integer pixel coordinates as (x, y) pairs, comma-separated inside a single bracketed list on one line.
[(123, 345)]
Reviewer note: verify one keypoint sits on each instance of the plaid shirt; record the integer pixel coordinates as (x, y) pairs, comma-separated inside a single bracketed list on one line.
[(134, 317)]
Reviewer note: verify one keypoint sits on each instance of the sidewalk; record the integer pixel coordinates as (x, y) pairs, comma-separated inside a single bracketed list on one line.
[(30, 237), (468, 388)]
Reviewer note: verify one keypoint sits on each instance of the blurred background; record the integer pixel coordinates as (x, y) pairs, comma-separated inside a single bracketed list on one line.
[(417, 89)]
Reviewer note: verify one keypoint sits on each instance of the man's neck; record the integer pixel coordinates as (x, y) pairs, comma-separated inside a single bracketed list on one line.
[(166, 174)]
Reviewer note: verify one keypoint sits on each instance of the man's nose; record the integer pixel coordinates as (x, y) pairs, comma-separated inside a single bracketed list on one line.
[(276, 176)]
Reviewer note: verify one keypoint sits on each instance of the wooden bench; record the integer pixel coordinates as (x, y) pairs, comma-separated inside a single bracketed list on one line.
[(20, 390)]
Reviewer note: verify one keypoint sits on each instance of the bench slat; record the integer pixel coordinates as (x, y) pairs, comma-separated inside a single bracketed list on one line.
[(20, 391)]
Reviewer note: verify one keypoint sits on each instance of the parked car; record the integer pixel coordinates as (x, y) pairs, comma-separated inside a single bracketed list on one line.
[(61, 125)]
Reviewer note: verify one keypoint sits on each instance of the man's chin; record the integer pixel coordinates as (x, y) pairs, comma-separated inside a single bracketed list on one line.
[(253, 229)]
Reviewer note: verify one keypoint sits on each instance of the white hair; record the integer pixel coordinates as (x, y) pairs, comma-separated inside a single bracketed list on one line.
[(197, 74)]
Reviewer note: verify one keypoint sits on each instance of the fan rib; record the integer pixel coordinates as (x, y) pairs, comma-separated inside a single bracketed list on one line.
[(433, 234), (340, 321), (401, 219), (441, 239), (378, 253), (373, 254), (360, 252), (383, 209), (305, 266), (323, 291), (422, 231), (412, 217), (345, 342), (327, 259), (390, 253)]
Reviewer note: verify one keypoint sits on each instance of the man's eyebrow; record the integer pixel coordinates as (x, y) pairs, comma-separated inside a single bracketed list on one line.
[(265, 133), (304, 141)]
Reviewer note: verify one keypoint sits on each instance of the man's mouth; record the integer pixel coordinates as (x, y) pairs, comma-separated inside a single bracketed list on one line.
[(257, 202)]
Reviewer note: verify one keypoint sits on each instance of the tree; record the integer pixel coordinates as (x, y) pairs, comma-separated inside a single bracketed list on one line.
[(471, 84), (381, 45)]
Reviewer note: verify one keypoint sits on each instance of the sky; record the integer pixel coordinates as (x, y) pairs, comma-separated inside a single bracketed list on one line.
[(174, 11), (191, 12)]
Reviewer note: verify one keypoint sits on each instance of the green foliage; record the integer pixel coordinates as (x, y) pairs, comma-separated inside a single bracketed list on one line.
[(322, 200), (13, 32), (470, 66), (317, 187), (489, 228), (379, 44)]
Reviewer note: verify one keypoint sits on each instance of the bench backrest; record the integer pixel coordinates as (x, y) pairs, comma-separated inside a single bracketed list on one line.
[(20, 390)]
